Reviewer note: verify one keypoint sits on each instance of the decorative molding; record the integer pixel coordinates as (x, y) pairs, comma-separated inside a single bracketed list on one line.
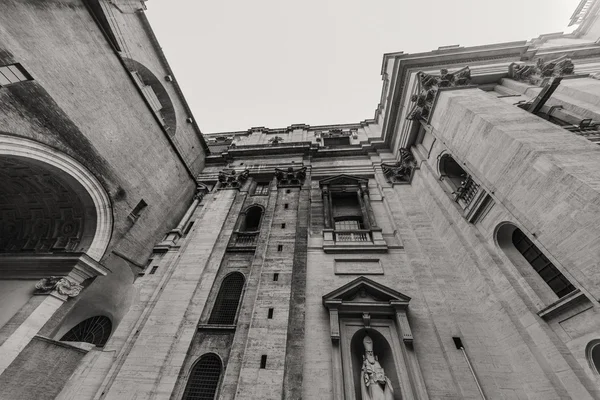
[(428, 87), (230, 179), (62, 286), (290, 177), (542, 71), (402, 170)]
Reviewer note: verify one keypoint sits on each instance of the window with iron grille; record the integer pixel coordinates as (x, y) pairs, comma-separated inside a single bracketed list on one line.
[(262, 189), (228, 299), (204, 379), (540, 263), (95, 330)]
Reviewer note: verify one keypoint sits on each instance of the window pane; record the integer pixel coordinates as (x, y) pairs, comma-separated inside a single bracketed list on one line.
[(12, 78), (3, 79), (15, 70)]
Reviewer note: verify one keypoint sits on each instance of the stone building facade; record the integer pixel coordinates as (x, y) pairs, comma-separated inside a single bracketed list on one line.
[(448, 248)]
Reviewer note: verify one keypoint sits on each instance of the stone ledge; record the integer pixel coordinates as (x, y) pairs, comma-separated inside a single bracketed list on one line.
[(563, 304)]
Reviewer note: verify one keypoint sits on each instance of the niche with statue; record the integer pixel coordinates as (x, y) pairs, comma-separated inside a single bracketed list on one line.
[(373, 356)]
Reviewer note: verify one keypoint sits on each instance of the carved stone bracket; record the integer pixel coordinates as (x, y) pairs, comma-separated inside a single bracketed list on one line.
[(201, 191), (539, 73), (62, 286), (290, 177), (428, 87), (401, 171), (230, 179)]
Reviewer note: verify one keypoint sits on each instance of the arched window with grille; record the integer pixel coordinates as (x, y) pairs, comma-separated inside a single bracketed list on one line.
[(228, 299), (95, 330), (204, 378), (533, 264)]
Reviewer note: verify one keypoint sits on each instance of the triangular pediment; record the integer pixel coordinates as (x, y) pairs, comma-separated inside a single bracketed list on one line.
[(343, 179), (364, 290)]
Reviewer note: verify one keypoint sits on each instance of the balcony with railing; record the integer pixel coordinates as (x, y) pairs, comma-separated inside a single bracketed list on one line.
[(243, 241), (362, 235), (472, 198)]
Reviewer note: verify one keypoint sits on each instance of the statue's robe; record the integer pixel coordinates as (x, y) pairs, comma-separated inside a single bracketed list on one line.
[(374, 384)]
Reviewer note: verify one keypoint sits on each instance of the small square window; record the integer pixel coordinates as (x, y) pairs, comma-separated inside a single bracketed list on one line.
[(263, 361), (275, 277), (270, 313), (282, 226), (153, 270), (279, 247), (286, 206), (288, 191)]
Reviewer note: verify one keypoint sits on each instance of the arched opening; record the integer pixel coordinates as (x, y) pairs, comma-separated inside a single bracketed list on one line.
[(452, 172), (203, 381), (592, 353), (155, 93), (226, 304), (539, 272), (95, 330), (50, 206), (252, 219), (383, 351)]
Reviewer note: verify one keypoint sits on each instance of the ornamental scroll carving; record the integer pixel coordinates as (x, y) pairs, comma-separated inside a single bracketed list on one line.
[(230, 179), (401, 171), (62, 285), (543, 70), (291, 176), (429, 86)]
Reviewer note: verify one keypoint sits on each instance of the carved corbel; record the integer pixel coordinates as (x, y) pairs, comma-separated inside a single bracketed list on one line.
[(539, 73), (366, 317), (402, 170), (61, 285), (230, 179), (429, 86), (290, 177)]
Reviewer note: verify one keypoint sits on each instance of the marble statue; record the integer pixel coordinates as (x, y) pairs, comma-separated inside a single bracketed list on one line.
[(374, 384)]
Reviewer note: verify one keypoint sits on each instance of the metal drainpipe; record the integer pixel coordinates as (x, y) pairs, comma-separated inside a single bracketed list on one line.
[(473, 373)]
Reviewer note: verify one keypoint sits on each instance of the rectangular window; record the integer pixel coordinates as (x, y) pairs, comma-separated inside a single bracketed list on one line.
[(13, 73), (153, 270), (262, 189), (282, 226), (286, 206), (263, 361), (270, 313), (137, 211), (275, 277), (279, 247), (337, 141)]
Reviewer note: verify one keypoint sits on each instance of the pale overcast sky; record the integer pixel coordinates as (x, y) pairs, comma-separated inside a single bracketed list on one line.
[(275, 63)]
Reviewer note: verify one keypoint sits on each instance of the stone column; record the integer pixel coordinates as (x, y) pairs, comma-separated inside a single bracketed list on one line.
[(364, 193), (327, 207)]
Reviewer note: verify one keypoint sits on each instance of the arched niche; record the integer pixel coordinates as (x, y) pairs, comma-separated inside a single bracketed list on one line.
[(384, 353), (146, 78), (592, 354)]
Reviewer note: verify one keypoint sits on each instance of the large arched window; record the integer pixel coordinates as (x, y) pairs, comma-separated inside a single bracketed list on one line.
[(533, 264), (228, 299), (540, 263), (95, 330), (204, 378)]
